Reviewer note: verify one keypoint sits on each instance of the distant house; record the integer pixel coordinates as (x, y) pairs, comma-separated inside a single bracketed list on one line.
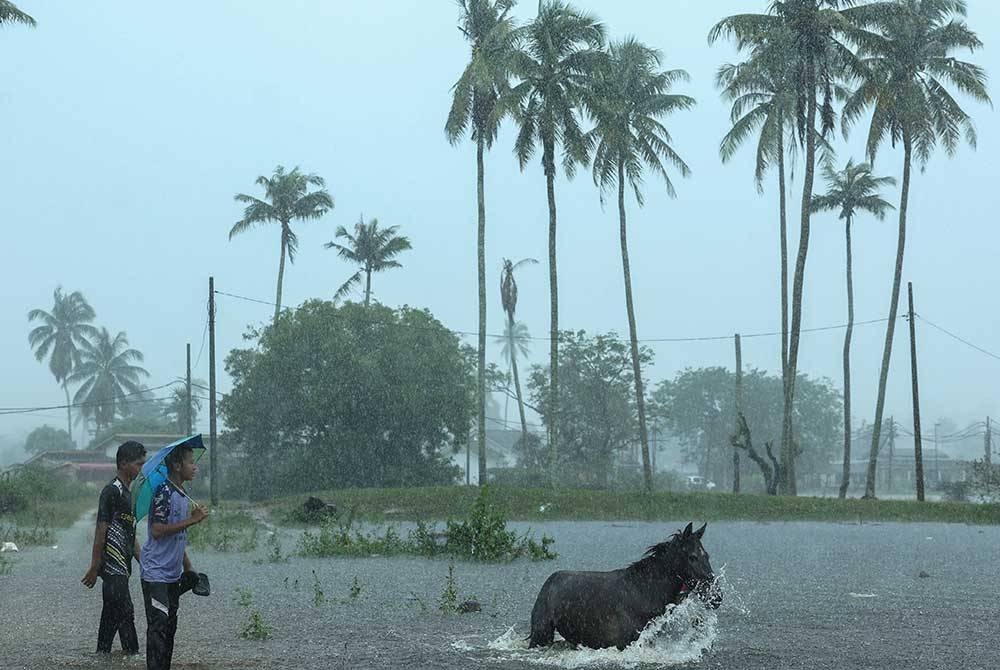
[(97, 463), (499, 452), (896, 469)]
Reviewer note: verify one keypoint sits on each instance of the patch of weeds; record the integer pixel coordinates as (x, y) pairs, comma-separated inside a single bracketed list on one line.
[(318, 596), (274, 554), (483, 536), (254, 628), (225, 532), (41, 534), (420, 601), (355, 589), (449, 597), (6, 565)]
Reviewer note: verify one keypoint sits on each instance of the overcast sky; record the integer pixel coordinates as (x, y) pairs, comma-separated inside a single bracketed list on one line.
[(129, 126)]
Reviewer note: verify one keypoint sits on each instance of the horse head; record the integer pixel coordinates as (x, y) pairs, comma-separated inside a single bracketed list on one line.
[(693, 567)]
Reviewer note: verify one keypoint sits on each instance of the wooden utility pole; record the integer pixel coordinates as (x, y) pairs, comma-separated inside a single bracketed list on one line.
[(213, 457), (739, 411), (892, 449), (989, 443), (187, 394), (918, 455)]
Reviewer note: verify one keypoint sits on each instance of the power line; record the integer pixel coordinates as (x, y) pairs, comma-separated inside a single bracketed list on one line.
[(960, 339), (709, 338), (26, 410)]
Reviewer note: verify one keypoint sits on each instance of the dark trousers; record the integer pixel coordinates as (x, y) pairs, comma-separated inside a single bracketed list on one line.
[(117, 616), (161, 601)]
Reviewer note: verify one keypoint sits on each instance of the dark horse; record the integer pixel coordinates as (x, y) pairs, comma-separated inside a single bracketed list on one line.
[(610, 609)]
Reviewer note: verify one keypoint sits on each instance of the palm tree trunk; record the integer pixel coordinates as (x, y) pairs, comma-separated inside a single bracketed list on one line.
[(368, 286), (891, 325), (548, 161), (783, 232), (647, 470), (481, 265), (787, 479), (845, 480), (281, 275), (517, 379), (69, 415)]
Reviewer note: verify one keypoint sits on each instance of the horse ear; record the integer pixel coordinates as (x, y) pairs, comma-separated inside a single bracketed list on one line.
[(701, 531), (687, 530)]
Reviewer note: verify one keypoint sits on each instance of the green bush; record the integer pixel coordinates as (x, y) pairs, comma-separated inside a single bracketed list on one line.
[(225, 531)]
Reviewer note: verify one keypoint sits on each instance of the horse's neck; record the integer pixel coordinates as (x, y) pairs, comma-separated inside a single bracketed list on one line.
[(659, 585)]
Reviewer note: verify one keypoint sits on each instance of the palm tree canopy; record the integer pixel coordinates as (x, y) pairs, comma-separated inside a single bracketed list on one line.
[(9, 13), (853, 189), (479, 96), (518, 336), (107, 374), (508, 285), (286, 198), (63, 332), (372, 248), (628, 96), (558, 52), (909, 64)]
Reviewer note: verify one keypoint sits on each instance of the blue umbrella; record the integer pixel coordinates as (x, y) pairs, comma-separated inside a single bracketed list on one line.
[(154, 473)]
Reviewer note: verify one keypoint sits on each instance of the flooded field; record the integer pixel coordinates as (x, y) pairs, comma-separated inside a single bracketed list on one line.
[(798, 595)]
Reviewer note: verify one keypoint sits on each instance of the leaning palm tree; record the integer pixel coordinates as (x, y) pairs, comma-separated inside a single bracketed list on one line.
[(9, 13), (478, 106), (107, 374), (62, 334), (374, 249), (910, 64), (515, 335), (851, 191), (560, 49), (286, 199), (809, 35), (630, 95)]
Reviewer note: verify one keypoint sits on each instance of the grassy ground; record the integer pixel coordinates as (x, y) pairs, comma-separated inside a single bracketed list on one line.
[(575, 504), (36, 524)]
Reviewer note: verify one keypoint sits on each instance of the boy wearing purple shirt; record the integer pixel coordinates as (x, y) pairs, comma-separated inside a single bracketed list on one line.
[(164, 557)]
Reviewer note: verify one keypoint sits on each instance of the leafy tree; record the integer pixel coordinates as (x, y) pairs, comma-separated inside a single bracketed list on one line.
[(348, 396), (107, 375), (598, 417), (851, 191), (47, 438), (515, 337), (630, 95), (372, 248), (909, 65), (559, 51), (478, 105), (61, 335), (810, 37), (286, 198), (177, 409), (698, 407), (9, 13)]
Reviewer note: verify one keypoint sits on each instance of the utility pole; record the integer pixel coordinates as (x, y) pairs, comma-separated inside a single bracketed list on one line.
[(937, 450), (213, 457), (918, 455), (187, 418), (892, 449), (739, 410), (988, 461)]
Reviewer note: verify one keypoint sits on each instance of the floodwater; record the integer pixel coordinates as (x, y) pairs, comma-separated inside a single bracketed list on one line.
[(798, 595)]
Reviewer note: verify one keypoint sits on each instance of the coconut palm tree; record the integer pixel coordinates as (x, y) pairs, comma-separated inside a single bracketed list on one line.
[(851, 191), (286, 198), (630, 96), (515, 334), (478, 106), (910, 65), (558, 52), (107, 375), (9, 13), (62, 334), (811, 37), (374, 249)]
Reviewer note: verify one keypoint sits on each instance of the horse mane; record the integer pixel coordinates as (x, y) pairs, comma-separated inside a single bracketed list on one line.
[(655, 555)]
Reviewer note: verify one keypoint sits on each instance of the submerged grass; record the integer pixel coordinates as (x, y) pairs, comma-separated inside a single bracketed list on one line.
[(225, 531), (519, 504)]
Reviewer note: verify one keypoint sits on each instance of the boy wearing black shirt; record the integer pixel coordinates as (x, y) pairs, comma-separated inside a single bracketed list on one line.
[(114, 547)]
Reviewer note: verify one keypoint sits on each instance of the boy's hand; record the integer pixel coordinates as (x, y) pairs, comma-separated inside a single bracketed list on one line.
[(90, 578), (199, 514)]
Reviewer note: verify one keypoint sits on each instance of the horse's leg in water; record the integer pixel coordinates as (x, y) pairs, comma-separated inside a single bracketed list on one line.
[(542, 626)]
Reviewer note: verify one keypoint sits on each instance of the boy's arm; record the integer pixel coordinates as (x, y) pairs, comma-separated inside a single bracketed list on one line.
[(187, 562), (136, 550), (96, 555), (161, 530)]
